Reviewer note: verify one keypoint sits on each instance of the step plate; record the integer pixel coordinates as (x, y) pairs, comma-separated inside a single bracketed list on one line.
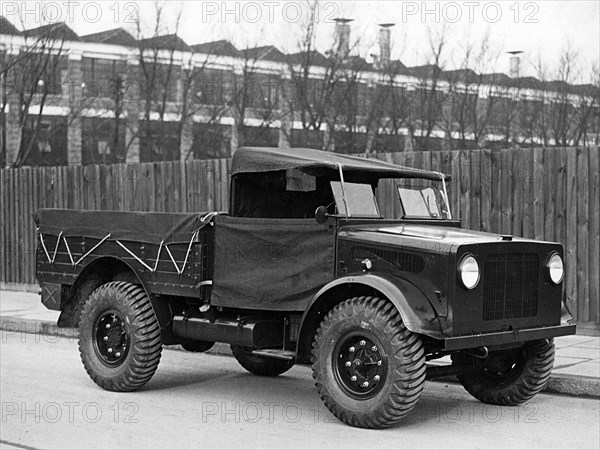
[(279, 354)]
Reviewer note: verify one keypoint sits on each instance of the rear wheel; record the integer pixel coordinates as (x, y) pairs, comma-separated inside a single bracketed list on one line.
[(508, 377), (260, 365), (119, 337), (368, 368)]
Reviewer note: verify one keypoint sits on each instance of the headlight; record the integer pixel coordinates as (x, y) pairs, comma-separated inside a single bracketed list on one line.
[(468, 270), (556, 268)]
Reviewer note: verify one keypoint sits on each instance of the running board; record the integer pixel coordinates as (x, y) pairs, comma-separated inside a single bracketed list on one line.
[(440, 371), (279, 354)]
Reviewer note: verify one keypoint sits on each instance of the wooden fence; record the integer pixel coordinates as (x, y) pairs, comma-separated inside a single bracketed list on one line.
[(542, 193)]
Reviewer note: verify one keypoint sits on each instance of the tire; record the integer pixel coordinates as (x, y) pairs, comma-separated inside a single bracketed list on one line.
[(260, 365), (364, 340), (508, 377), (119, 337), (198, 346)]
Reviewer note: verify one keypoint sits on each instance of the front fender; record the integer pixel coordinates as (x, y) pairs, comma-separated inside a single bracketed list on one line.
[(418, 315)]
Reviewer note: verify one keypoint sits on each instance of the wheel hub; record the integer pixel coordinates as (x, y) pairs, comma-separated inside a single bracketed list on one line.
[(503, 364), (360, 365), (111, 341)]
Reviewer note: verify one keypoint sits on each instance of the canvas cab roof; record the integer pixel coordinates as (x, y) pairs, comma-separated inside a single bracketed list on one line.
[(268, 159)]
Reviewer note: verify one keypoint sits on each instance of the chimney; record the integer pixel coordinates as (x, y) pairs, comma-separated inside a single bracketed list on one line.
[(342, 37), (515, 63), (384, 42)]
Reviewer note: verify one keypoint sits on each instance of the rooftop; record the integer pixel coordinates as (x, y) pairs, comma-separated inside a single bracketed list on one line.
[(119, 36), (55, 31), (116, 36), (222, 48)]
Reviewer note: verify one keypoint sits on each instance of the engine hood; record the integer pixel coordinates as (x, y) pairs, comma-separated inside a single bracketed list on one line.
[(423, 237)]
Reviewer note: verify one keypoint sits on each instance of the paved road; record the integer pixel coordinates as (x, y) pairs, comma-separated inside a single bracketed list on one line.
[(48, 401)]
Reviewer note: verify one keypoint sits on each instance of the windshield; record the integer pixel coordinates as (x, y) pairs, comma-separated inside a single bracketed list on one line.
[(400, 198), (354, 199), (422, 199)]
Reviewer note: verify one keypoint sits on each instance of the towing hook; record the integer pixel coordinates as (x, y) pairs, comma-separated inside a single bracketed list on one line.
[(480, 352)]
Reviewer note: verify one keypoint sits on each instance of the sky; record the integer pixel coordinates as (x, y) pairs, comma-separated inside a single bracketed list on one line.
[(543, 30)]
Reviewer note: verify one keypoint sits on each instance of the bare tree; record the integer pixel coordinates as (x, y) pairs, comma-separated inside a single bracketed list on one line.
[(35, 79), (322, 86), (159, 69), (379, 119), (472, 100), (562, 113), (427, 97)]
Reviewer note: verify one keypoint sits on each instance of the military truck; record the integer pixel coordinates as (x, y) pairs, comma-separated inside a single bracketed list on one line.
[(305, 269)]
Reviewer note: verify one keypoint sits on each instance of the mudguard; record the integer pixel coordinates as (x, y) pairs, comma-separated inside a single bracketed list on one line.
[(86, 281), (417, 313)]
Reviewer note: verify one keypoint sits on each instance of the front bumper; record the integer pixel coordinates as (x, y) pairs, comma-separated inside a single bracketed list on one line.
[(507, 337)]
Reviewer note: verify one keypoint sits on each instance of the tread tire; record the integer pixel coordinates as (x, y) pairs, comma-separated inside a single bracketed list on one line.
[(141, 326), (533, 369), (405, 359)]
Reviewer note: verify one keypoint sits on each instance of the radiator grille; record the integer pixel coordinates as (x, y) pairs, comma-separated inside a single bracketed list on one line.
[(510, 286)]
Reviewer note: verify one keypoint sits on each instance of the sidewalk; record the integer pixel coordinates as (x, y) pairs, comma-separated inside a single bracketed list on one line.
[(576, 366)]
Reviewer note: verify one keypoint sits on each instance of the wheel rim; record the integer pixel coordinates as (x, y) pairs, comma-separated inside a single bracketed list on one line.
[(111, 341), (360, 364)]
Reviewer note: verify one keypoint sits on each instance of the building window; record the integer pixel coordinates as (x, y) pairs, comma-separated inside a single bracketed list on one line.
[(103, 148), (103, 77)]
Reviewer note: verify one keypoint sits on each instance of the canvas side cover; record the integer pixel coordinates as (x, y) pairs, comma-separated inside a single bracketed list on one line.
[(149, 227), (275, 264)]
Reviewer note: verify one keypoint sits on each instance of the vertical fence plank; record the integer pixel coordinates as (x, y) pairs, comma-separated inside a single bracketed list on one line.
[(167, 187), (28, 227), (465, 187), (210, 185), (555, 189), (594, 234), (517, 193), (539, 193), (582, 293), (194, 185), (455, 191), (571, 232), (527, 193), (189, 185), (34, 207), (475, 190), (183, 186), (12, 243), (487, 185), (507, 182), (496, 199), (18, 235), (223, 182), (3, 226), (386, 190), (176, 187)]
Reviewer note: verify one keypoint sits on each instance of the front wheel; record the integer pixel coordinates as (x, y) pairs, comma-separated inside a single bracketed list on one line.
[(119, 337), (508, 377), (368, 368)]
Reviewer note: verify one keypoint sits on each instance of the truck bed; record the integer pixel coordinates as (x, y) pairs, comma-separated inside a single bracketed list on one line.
[(169, 251)]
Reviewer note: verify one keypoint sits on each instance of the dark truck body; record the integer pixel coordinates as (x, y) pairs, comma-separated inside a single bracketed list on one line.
[(265, 276)]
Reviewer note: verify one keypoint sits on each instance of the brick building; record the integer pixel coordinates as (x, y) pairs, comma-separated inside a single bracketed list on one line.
[(107, 97)]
